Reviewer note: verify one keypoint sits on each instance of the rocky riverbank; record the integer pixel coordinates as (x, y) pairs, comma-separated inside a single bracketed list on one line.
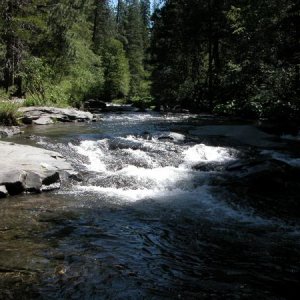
[(30, 169)]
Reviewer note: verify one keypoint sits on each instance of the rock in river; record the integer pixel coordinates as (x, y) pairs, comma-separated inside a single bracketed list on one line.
[(3, 191), (30, 169), (268, 185), (49, 115), (245, 134), (6, 131)]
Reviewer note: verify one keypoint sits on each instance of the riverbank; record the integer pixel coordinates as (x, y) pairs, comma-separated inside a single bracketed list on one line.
[(27, 169), (39, 115)]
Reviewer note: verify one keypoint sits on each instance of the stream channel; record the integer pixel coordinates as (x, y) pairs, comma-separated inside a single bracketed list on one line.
[(153, 216)]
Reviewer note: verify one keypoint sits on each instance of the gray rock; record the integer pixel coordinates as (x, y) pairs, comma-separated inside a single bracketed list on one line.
[(13, 180), (3, 191), (96, 118), (9, 131), (30, 169), (49, 115), (173, 136), (32, 182), (43, 121)]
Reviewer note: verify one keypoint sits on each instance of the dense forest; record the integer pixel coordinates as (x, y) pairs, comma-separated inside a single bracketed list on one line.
[(65, 51), (239, 57), (231, 57)]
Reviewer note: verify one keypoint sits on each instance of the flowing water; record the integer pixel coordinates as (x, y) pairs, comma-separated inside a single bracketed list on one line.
[(150, 219)]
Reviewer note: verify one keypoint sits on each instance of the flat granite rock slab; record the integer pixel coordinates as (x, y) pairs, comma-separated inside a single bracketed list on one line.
[(43, 121), (27, 168), (47, 115)]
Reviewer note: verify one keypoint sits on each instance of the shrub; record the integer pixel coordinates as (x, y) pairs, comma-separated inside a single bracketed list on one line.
[(9, 113)]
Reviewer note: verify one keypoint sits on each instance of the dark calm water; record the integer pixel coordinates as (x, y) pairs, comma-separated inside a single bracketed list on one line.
[(146, 222)]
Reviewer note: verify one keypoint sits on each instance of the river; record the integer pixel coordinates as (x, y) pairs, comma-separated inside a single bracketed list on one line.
[(149, 219)]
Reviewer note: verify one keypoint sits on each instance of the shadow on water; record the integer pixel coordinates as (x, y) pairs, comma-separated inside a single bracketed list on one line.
[(145, 225)]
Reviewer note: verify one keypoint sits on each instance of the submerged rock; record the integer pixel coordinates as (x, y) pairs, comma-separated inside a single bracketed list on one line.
[(269, 185), (49, 115), (172, 136), (30, 169), (245, 134)]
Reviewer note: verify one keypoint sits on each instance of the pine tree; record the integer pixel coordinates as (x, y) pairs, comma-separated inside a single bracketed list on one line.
[(22, 21), (104, 26), (134, 33)]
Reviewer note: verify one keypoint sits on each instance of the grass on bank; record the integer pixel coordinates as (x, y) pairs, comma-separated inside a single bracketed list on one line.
[(9, 113)]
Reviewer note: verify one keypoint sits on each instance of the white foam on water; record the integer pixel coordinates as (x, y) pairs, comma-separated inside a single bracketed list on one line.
[(94, 152), (164, 177), (153, 154), (203, 153), (177, 186), (143, 157), (151, 145), (143, 117), (200, 201)]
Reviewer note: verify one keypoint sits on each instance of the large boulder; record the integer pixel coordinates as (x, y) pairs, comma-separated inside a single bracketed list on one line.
[(30, 169), (49, 115)]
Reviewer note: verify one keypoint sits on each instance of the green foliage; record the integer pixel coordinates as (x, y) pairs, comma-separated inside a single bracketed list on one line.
[(4, 96), (36, 75), (134, 27), (63, 52), (142, 103), (231, 57), (9, 113), (116, 68), (84, 78)]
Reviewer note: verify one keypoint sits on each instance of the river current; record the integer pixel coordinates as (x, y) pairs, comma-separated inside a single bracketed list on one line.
[(149, 218)]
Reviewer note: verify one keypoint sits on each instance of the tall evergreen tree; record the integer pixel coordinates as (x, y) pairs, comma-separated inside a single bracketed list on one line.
[(104, 26), (135, 46), (115, 63), (21, 21)]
